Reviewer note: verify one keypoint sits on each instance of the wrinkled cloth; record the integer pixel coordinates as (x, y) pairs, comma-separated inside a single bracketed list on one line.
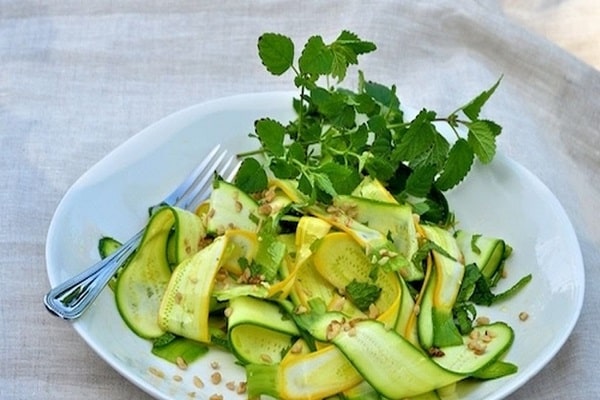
[(77, 79)]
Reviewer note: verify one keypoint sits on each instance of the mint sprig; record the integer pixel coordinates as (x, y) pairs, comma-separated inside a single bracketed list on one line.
[(340, 135)]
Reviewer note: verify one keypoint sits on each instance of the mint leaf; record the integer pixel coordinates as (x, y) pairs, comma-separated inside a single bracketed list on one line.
[(379, 168), (331, 104), (251, 176), (427, 247), (474, 248), (323, 182), (343, 179), (346, 49), (276, 52), (365, 104), (473, 108), (471, 276), (514, 289), (436, 154), (282, 169), (269, 255), (458, 164), (482, 140), (420, 181), (271, 134), (339, 64), (351, 41), (296, 152), (316, 58), (305, 185), (492, 126), (382, 94), (362, 294), (417, 138), (359, 138)]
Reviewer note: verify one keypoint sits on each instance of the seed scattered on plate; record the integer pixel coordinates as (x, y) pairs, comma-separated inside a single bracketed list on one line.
[(241, 389), (156, 372), (523, 316), (198, 382), (181, 364), (215, 378)]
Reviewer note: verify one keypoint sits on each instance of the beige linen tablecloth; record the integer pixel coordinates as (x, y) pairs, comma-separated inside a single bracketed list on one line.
[(79, 78)]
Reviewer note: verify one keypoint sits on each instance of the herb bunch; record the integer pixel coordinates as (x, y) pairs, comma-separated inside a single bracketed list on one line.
[(340, 135)]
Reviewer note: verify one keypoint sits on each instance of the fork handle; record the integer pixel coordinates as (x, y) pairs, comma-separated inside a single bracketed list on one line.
[(71, 298)]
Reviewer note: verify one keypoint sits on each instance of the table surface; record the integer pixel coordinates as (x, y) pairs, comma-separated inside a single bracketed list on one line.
[(77, 80)]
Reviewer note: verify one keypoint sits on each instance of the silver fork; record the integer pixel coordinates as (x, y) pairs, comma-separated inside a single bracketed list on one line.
[(70, 299)]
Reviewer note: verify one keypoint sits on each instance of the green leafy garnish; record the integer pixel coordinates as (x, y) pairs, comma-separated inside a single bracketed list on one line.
[(270, 254), (362, 294), (276, 51), (477, 290), (250, 177), (340, 135)]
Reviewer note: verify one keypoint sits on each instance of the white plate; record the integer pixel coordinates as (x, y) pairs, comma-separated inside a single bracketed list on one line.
[(501, 199)]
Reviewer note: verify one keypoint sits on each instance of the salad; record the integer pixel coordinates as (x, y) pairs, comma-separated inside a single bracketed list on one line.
[(332, 265)]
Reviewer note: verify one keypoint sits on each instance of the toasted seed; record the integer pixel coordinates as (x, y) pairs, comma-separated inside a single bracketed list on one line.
[(266, 358), (156, 372), (265, 209), (270, 194), (214, 365), (436, 352), (333, 329), (297, 348), (333, 210), (230, 385), (373, 311), (417, 309), (216, 378), (338, 304), (216, 397), (241, 389), (181, 364), (301, 310), (523, 316), (221, 276), (177, 378), (178, 297), (383, 260), (198, 382), (482, 321), (238, 206)]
